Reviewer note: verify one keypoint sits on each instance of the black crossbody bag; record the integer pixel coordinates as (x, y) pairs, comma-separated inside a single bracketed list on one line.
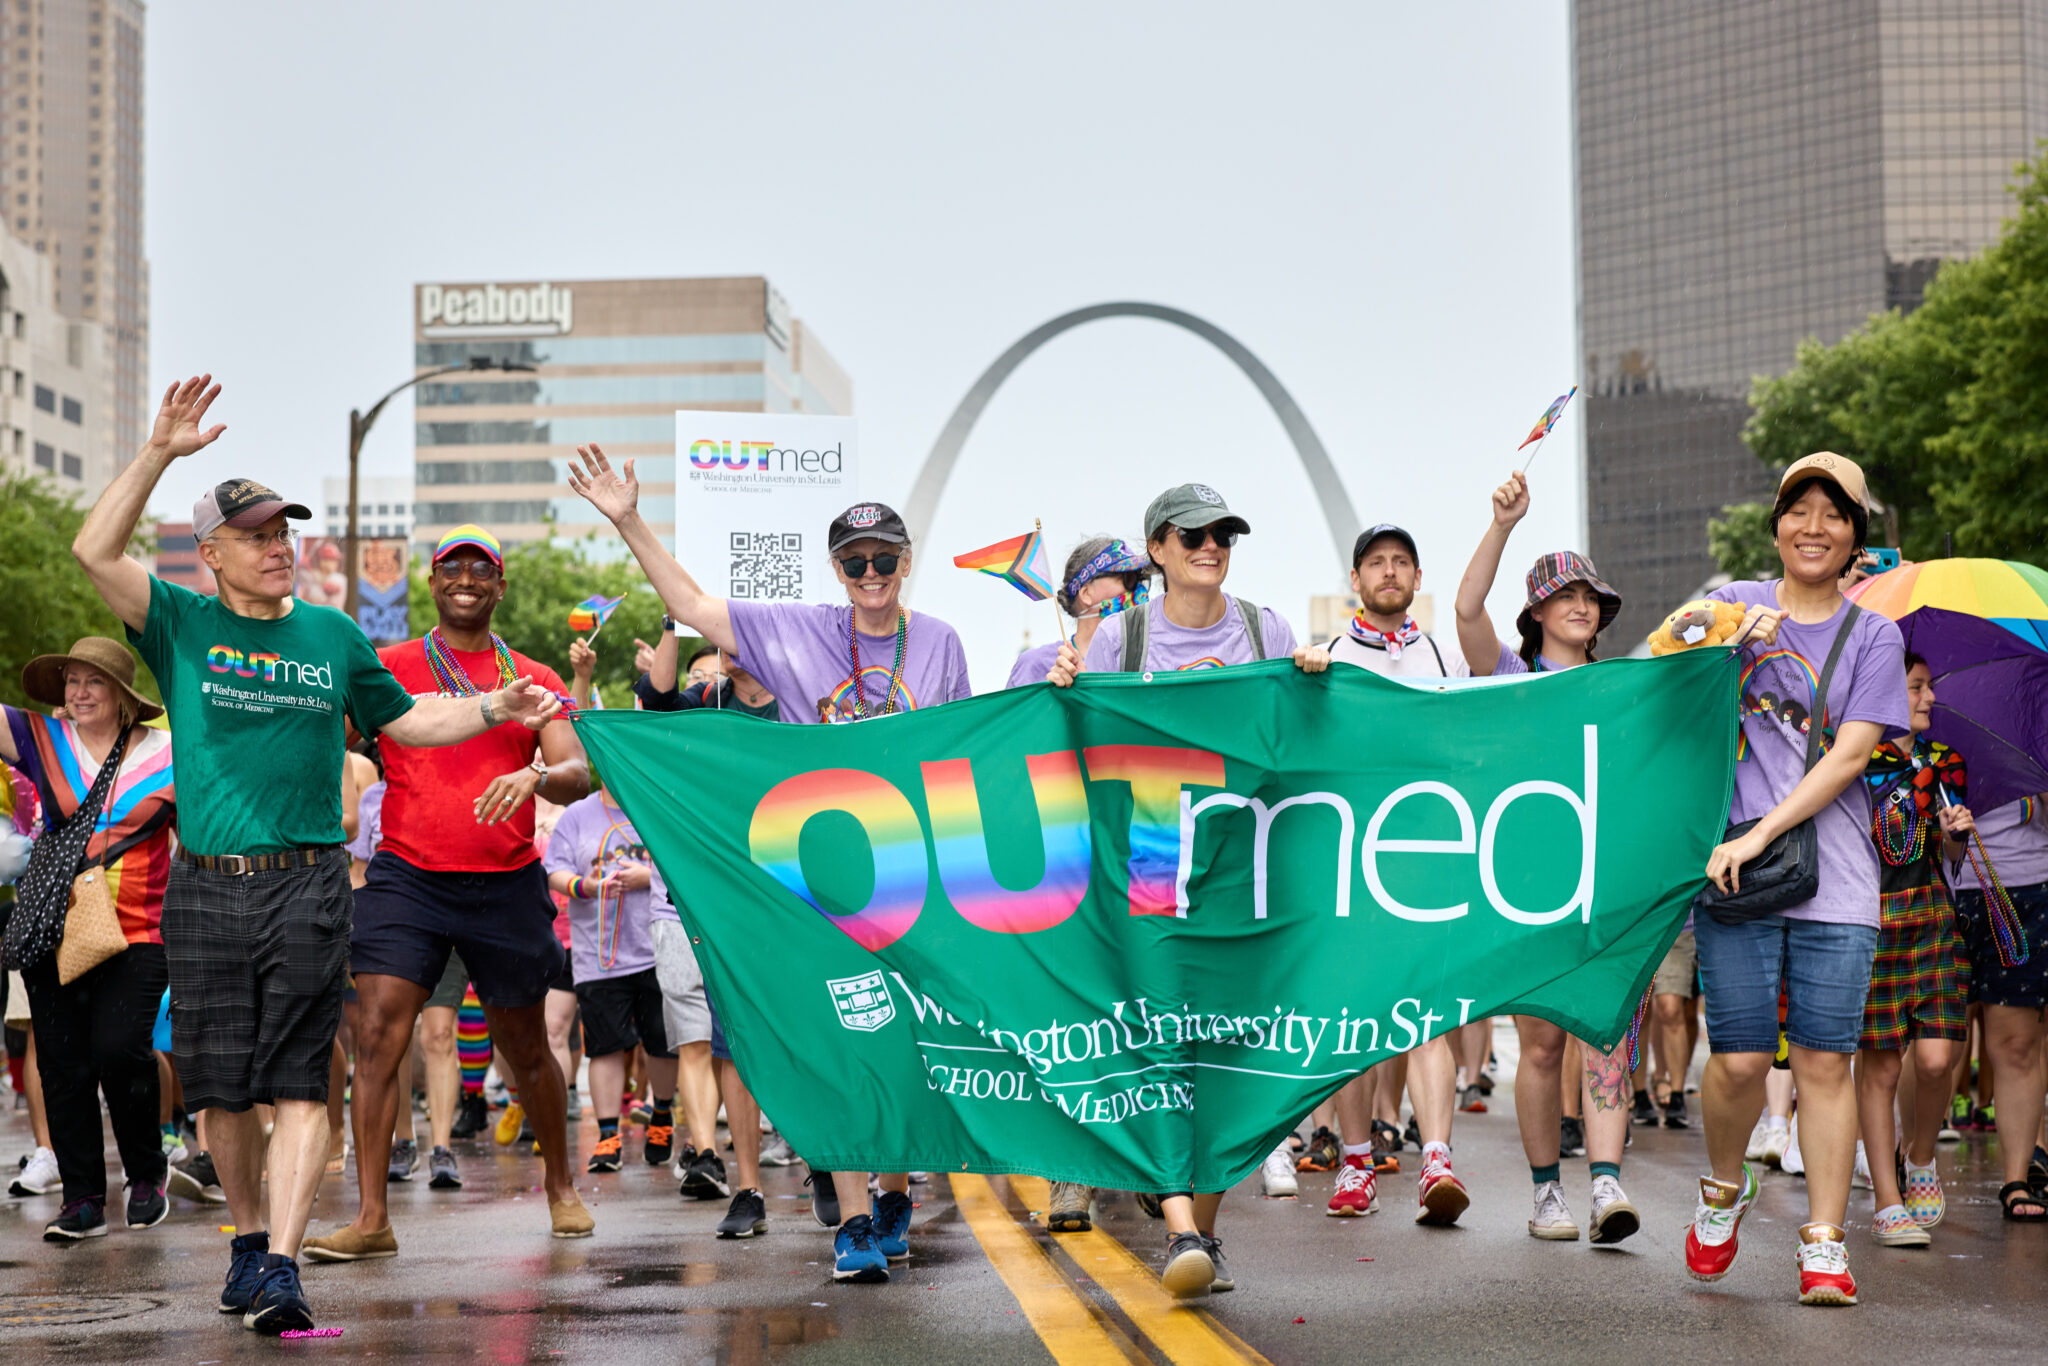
[(1787, 872)]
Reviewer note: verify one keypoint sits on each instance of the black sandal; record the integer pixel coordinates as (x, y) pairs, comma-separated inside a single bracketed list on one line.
[(2020, 1193)]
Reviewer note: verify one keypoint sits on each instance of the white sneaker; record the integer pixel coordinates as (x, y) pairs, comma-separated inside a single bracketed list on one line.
[(1777, 1138), (1860, 1178), (1790, 1162), (1552, 1219), (174, 1149), (1757, 1137), (1614, 1218), (1277, 1174), (775, 1150), (39, 1176)]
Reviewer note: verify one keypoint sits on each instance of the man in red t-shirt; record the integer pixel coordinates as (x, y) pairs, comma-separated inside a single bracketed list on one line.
[(458, 870)]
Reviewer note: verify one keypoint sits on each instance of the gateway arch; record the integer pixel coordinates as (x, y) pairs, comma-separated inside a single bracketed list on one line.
[(1315, 461)]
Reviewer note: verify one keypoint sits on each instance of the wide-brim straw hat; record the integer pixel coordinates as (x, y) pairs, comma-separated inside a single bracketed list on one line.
[(42, 678)]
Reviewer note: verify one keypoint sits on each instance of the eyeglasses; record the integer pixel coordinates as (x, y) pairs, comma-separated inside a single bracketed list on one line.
[(263, 540), (1192, 538), (856, 566), (483, 571)]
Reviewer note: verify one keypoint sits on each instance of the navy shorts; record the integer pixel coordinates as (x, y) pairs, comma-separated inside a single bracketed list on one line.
[(408, 919), (1992, 982), (619, 1012), (1825, 970)]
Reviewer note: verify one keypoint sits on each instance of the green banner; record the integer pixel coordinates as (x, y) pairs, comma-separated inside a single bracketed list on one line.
[(1126, 934)]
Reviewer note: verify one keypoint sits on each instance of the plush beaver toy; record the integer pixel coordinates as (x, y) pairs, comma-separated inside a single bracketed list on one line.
[(1703, 621)]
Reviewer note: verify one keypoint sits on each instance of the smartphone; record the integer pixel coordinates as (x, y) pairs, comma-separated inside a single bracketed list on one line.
[(1886, 557)]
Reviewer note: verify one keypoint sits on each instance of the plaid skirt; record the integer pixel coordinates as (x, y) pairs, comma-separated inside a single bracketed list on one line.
[(1919, 980)]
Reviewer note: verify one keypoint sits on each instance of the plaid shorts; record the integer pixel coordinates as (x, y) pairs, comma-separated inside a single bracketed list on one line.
[(258, 965), (1917, 990)]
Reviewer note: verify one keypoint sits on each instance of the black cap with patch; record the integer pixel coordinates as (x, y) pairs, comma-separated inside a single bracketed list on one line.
[(864, 521), (1374, 533)]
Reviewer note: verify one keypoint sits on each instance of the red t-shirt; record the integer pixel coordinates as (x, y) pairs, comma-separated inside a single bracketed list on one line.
[(430, 795)]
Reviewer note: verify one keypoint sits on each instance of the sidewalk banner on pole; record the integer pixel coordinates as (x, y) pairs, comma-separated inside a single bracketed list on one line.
[(754, 494)]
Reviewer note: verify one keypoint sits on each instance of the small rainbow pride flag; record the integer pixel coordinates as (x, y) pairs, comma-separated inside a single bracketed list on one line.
[(593, 611), (1549, 418), (1019, 562)]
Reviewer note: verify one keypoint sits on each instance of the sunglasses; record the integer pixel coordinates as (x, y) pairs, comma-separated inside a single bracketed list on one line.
[(483, 571), (856, 566), (1192, 538)]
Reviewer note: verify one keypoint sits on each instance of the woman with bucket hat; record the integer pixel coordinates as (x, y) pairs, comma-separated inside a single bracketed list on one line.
[(1568, 606), (106, 789)]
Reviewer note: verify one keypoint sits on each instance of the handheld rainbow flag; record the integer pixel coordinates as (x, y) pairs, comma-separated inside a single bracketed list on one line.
[(1549, 418), (592, 613), (1019, 562)]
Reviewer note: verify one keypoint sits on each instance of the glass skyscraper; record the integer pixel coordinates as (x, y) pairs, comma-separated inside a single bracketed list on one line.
[(1750, 173)]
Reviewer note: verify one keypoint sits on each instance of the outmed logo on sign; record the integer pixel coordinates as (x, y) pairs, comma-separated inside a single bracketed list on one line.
[(862, 1002)]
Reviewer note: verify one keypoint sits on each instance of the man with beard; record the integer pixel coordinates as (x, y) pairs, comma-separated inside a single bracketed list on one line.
[(1386, 571), (458, 870)]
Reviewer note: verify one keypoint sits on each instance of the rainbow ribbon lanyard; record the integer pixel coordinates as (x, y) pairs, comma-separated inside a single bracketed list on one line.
[(608, 958)]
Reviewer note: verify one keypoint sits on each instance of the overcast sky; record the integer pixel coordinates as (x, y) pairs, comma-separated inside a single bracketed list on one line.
[(1374, 198)]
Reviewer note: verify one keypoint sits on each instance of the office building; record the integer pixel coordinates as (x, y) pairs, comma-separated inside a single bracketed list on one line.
[(177, 558), (52, 373), (1748, 174), (612, 361), (71, 172), (386, 506)]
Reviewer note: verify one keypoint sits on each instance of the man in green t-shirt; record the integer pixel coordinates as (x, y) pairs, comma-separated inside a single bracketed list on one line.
[(260, 689)]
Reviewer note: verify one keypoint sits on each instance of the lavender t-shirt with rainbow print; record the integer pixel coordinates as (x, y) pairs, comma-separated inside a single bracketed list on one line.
[(800, 652), (1168, 646), (1778, 685)]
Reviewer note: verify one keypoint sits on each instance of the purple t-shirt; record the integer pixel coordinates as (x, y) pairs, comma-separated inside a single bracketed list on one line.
[(369, 822), (1509, 662), (1033, 665), (2016, 844), (1168, 646), (1778, 684), (612, 939), (800, 652)]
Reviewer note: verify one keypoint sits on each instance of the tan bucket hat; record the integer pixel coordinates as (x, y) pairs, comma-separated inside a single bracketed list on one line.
[(42, 678)]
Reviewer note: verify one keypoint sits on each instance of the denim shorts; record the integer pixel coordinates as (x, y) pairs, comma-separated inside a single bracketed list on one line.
[(1825, 969)]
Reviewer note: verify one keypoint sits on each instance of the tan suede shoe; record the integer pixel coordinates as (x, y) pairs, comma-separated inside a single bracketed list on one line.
[(345, 1244), (571, 1219)]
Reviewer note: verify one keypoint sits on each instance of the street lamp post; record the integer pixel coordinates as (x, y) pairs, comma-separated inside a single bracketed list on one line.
[(359, 424)]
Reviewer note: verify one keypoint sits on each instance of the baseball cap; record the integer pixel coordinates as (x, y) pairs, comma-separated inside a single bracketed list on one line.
[(242, 503), (1839, 469), (863, 521), (472, 536), (1190, 506), (1374, 533)]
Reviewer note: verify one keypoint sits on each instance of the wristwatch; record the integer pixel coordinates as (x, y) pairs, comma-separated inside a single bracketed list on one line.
[(668, 623), (539, 765)]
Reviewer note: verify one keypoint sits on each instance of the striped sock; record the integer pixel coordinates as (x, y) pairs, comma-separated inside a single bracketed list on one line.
[(472, 1042)]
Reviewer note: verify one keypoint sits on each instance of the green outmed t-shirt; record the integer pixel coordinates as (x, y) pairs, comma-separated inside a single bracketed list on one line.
[(257, 707)]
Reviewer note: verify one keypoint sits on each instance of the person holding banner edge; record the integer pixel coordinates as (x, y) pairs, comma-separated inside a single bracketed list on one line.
[(797, 651), (1103, 578), (1821, 949), (1189, 534), (1568, 606)]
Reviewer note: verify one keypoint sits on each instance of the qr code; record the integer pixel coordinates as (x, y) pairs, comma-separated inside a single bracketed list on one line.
[(767, 565)]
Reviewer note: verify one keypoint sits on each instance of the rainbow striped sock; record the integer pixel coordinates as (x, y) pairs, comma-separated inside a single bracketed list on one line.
[(472, 1042)]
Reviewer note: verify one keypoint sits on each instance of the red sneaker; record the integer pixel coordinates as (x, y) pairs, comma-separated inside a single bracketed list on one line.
[(1710, 1242), (1824, 1266), (1443, 1197), (1357, 1189)]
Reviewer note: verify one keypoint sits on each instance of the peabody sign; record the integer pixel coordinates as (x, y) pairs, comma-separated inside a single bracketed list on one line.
[(541, 310)]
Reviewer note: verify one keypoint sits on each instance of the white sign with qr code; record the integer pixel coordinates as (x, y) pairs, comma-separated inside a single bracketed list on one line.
[(755, 493)]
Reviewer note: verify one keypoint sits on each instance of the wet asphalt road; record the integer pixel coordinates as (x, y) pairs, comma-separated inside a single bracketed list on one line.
[(478, 1279)]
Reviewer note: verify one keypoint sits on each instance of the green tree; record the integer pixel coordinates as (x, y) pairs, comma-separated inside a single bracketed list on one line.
[(543, 580), (1740, 541), (1944, 407), (46, 602)]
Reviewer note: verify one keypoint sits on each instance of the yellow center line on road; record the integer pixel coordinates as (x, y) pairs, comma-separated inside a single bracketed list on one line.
[(1057, 1313), (1187, 1336)]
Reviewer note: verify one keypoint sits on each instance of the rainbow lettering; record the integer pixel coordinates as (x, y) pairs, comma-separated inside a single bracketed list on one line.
[(226, 658), (895, 838), (709, 455), (1156, 774), (962, 845)]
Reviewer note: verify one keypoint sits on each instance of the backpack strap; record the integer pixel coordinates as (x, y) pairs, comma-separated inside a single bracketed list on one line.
[(1252, 627), (1137, 626)]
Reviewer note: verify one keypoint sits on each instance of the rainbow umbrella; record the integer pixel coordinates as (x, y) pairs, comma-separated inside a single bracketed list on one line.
[(2007, 592)]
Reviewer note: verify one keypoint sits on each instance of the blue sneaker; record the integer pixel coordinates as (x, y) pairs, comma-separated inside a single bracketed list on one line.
[(245, 1269), (279, 1305), (857, 1257), (892, 1225)]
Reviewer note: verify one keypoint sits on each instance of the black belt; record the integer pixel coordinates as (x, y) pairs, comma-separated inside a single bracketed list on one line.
[(241, 865)]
